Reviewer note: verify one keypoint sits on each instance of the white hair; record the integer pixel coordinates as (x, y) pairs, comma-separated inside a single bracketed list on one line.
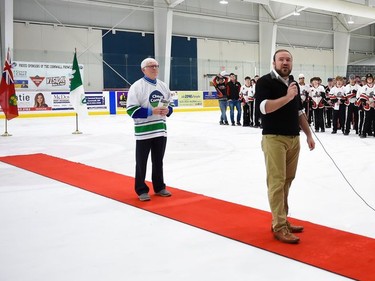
[(147, 61)]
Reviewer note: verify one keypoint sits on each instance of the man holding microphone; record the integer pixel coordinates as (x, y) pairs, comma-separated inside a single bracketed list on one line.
[(282, 117)]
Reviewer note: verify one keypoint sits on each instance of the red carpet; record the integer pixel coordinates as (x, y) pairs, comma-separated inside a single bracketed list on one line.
[(340, 252)]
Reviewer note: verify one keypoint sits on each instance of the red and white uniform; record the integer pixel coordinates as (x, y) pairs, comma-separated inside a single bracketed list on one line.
[(317, 96), (245, 93), (337, 96), (351, 93), (366, 95)]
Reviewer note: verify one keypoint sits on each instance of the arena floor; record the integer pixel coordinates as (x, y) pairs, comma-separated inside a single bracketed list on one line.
[(53, 231)]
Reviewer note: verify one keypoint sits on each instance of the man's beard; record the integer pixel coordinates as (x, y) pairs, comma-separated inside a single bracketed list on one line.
[(283, 72)]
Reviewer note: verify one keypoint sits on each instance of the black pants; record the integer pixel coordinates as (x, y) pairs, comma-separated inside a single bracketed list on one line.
[(329, 111), (368, 126), (246, 114), (361, 118), (142, 150), (355, 118), (319, 119), (251, 106), (351, 116), (339, 118)]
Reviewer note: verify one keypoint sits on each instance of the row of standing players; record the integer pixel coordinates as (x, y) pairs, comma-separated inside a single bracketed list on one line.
[(341, 105)]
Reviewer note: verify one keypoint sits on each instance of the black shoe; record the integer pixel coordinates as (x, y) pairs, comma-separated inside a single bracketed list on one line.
[(221, 123), (233, 124), (333, 132), (362, 136), (323, 130), (238, 123), (226, 123), (346, 133)]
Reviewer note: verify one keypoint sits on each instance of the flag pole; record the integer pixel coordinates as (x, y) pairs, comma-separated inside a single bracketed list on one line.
[(6, 134), (77, 132)]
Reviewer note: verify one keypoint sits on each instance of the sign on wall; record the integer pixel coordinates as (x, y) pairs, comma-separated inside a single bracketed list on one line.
[(190, 98), (42, 76), (51, 101)]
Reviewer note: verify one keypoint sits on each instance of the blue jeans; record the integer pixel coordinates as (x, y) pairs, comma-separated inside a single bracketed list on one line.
[(223, 108), (237, 104)]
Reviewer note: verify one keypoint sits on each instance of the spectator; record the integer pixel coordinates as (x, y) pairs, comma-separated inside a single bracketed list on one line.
[(233, 92)]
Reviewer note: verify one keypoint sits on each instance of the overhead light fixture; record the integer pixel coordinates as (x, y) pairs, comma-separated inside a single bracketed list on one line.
[(350, 21), (296, 13), (223, 2)]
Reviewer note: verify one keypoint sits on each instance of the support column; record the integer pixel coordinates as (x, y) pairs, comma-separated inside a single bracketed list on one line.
[(6, 25), (267, 41), (341, 42), (163, 18)]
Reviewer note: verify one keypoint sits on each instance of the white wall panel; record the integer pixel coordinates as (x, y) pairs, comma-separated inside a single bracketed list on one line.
[(204, 27), (215, 56), (40, 43)]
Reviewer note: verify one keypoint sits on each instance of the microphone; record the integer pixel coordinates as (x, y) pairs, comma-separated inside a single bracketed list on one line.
[(291, 79)]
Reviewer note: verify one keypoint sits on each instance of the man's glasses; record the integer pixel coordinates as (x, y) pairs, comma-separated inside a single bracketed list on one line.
[(152, 66)]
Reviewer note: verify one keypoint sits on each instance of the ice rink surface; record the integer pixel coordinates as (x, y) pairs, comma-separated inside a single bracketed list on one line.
[(53, 231)]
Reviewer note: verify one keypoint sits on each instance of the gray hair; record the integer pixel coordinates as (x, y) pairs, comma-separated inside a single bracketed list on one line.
[(146, 61)]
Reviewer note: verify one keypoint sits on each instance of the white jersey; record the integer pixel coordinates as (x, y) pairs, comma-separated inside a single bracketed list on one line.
[(367, 94), (336, 95), (317, 96), (144, 95), (245, 92), (351, 92), (304, 91)]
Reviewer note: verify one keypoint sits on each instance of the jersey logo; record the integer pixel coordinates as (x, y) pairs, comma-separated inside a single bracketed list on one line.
[(155, 97)]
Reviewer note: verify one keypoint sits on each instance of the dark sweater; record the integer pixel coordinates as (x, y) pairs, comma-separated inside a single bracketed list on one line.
[(285, 120), (233, 90)]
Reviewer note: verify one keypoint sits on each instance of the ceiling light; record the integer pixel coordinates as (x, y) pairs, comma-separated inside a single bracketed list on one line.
[(350, 21), (224, 2)]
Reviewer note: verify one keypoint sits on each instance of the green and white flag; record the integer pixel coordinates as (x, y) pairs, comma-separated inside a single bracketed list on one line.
[(77, 94)]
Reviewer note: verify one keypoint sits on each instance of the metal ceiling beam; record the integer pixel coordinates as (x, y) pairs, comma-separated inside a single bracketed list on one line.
[(290, 14), (335, 6), (175, 3)]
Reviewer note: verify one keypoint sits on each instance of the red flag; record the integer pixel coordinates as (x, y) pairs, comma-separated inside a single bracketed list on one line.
[(8, 98)]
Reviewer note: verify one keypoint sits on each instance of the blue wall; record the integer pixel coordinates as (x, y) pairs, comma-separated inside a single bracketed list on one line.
[(124, 51), (184, 64)]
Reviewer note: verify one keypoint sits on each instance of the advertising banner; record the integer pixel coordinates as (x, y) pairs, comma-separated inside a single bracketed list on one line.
[(121, 97), (51, 101), (210, 99), (190, 98), (42, 76)]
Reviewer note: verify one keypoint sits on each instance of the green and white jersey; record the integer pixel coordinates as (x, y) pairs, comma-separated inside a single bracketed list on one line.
[(144, 95)]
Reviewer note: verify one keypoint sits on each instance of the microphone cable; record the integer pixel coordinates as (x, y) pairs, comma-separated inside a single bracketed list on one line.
[(338, 168)]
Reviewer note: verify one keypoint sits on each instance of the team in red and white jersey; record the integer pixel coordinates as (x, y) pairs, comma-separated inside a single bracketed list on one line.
[(366, 100), (337, 98), (304, 92), (351, 110), (317, 95)]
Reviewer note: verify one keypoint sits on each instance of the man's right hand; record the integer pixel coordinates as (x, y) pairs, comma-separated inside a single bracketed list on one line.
[(292, 91)]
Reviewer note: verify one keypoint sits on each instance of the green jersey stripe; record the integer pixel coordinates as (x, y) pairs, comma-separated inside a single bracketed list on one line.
[(150, 127)]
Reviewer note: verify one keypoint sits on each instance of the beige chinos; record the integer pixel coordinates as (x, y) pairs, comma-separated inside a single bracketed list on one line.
[(281, 157)]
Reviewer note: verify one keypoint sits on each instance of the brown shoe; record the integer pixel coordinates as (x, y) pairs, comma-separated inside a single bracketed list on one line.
[(285, 236), (295, 228)]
